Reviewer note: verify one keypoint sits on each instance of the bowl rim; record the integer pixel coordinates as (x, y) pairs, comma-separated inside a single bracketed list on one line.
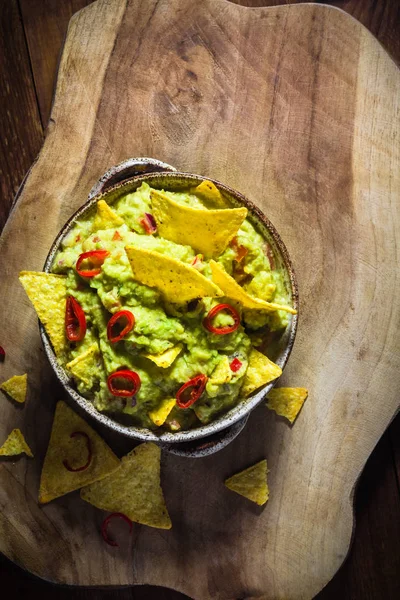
[(244, 406)]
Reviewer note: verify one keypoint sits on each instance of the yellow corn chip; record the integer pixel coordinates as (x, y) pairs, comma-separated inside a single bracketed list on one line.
[(48, 294), (56, 480), (177, 281), (287, 402), (207, 231), (234, 291), (208, 190), (16, 387), (160, 414), (105, 217), (222, 372), (15, 444), (165, 359), (260, 371), (134, 489), (83, 367), (251, 483)]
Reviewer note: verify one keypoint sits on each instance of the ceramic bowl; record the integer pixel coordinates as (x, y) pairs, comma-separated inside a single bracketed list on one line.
[(125, 178)]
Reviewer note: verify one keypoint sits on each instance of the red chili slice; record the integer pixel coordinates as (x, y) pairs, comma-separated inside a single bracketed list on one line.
[(120, 325), (75, 320), (95, 259), (240, 250), (2, 354), (104, 527), (89, 449), (185, 398), (129, 383), (197, 261), (207, 321), (235, 365), (148, 223)]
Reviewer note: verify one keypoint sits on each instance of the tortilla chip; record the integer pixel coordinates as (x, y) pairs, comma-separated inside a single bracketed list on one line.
[(106, 218), (206, 231), (134, 489), (251, 483), (56, 480), (287, 402), (165, 359), (177, 281), (15, 444), (85, 365), (16, 387), (209, 191), (260, 371), (48, 294), (160, 414), (222, 372), (234, 291)]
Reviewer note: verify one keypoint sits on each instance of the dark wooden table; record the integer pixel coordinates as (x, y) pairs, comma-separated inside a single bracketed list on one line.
[(31, 36)]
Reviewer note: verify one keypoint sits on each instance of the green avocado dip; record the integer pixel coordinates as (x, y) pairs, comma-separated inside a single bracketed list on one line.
[(166, 344)]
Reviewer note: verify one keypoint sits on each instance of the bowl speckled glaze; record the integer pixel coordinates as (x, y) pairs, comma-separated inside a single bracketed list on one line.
[(125, 178)]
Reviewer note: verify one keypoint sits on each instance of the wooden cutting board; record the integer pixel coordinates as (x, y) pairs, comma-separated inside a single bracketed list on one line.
[(298, 108)]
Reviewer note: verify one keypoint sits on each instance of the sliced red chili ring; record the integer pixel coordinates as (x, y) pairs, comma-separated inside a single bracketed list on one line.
[(191, 391), (235, 365), (148, 223), (2, 354), (104, 527), (89, 449), (124, 383), (95, 258), (120, 325), (207, 321), (75, 320)]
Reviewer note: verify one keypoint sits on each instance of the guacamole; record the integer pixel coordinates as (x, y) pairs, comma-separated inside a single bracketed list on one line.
[(166, 344)]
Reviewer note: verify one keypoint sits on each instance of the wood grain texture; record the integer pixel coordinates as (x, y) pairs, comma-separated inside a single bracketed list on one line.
[(45, 24), (292, 111), (19, 144), (374, 491), (381, 17)]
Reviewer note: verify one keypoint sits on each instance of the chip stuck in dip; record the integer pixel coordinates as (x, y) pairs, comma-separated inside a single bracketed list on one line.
[(156, 304)]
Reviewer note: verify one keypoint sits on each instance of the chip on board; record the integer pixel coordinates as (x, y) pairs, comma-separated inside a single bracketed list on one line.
[(48, 294), (206, 231), (16, 387), (83, 367), (105, 217), (159, 415), (234, 291), (165, 359), (15, 444), (134, 489), (251, 483), (287, 402), (57, 480), (209, 191), (177, 281), (260, 371)]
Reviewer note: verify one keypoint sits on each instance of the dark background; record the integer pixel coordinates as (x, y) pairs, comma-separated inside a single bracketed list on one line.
[(31, 36)]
